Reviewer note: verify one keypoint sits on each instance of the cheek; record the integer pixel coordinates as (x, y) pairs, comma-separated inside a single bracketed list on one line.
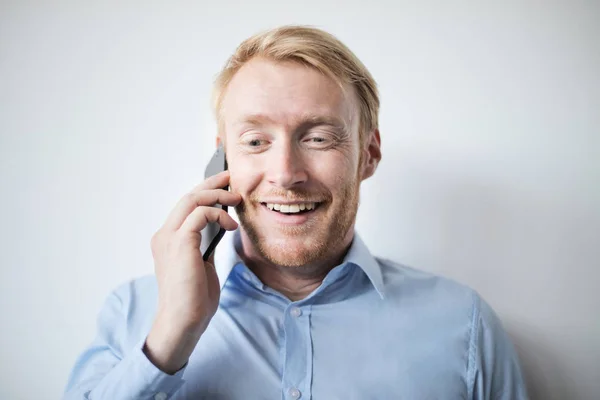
[(245, 176), (335, 171)]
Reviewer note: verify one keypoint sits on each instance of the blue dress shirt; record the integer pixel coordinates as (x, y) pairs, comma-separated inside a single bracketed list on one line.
[(372, 330)]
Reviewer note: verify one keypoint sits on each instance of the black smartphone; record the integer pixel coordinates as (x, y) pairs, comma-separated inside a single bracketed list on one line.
[(213, 233)]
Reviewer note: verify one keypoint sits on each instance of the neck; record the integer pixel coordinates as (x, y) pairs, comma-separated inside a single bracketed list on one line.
[(296, 283)]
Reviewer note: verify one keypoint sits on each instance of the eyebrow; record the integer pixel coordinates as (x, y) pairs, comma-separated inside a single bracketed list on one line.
[(304, 122)]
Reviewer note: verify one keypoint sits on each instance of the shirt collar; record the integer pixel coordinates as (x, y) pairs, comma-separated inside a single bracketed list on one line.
[(359, 255), (226, 257)]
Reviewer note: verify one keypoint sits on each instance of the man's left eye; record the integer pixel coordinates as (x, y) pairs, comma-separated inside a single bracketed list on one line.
[(317, 140)]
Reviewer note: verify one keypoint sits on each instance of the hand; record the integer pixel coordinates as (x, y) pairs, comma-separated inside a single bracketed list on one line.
[(188, 287)]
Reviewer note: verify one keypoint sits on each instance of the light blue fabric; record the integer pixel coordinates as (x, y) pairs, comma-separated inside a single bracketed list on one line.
[(372, 330)]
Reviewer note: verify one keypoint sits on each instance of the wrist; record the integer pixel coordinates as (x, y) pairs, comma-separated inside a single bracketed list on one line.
[(168, 346)]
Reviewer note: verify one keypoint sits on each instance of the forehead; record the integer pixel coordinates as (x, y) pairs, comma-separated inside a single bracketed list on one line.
[(287, 93)]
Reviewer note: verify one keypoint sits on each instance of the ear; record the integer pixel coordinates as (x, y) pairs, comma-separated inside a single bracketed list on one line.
[(218, 140), (371, 154)]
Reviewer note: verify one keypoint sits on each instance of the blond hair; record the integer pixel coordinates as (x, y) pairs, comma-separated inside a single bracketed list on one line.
[(314, 48)]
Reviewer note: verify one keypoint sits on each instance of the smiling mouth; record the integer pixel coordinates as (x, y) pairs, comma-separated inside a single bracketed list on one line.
[(297, 208)]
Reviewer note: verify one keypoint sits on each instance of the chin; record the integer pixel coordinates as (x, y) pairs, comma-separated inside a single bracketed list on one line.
[(300, 245), (288, 251)]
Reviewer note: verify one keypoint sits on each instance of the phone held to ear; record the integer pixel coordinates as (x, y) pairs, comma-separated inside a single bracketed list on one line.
[(213, 233)]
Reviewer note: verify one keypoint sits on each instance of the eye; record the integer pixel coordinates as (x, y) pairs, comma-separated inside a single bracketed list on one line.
[(319, 140), (254, 142)]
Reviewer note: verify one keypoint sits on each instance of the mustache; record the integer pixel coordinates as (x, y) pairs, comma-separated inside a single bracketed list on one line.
[(292, 195)]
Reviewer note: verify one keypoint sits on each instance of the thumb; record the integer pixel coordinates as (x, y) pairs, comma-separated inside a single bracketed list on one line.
[(210, 263), (214, 287)]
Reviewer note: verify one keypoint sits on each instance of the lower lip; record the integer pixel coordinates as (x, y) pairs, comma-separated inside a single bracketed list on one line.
[(288, 219)]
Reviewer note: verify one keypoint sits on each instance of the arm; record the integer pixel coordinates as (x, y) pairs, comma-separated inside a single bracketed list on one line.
[(106, 370), (494, 370), (188, 297)]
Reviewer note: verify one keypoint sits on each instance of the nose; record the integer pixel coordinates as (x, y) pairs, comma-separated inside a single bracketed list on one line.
[(286, 167)]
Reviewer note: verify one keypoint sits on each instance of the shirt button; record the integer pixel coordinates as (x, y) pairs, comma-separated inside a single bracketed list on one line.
[(296, 312), (160, 396), (294, 393)]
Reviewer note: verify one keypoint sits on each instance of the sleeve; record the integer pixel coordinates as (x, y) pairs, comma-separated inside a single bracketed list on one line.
[(494, 372), (105, 371)]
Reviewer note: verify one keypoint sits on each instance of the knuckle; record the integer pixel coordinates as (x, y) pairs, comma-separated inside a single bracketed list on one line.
[(184, 239), (190, 198), (159, 243), (216, 213), (155, 240), (201, 211)]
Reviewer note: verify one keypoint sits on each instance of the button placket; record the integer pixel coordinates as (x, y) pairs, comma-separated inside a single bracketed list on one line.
[(297, 361)]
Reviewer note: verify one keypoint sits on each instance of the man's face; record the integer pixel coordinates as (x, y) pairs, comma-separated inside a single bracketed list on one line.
[(292, 144)]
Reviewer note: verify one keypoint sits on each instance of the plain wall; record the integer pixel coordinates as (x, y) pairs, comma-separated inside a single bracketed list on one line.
[(490, 126)]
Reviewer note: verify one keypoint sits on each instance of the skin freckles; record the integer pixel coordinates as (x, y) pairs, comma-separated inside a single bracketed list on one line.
[(291, 135)]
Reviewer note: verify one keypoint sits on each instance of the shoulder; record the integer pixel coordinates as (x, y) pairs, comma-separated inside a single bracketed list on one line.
[(130, 307), (139, 289), (452, 304), (411, 284), (136, 296), (438, 297)]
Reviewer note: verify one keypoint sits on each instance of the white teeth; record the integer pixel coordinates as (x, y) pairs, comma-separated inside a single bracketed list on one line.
[(291, 208)]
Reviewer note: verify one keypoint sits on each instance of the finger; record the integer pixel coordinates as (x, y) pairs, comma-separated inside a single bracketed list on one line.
[(212, 277), (201, 217), (199, 198), (211, 259), (217, 181)]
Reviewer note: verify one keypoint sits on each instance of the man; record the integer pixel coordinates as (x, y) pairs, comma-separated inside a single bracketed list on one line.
[(293, 305)]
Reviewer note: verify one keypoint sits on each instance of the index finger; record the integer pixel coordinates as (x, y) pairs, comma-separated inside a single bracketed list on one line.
[(208, 193), (217, 181)]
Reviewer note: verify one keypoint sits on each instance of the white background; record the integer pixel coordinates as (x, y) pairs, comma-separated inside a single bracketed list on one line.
[(490, 125)]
